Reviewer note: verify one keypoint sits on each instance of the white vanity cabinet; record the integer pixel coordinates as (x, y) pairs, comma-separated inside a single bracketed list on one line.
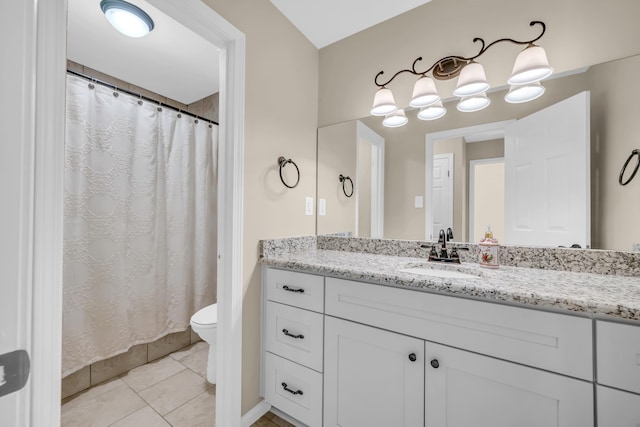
[(618, 374), (293, 341), (372, 377)]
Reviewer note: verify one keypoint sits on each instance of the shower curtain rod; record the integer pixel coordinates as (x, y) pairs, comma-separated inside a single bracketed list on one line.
[(137, 95)]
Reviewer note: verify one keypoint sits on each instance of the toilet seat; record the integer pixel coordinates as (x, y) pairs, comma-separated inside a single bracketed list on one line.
[(206, 317)]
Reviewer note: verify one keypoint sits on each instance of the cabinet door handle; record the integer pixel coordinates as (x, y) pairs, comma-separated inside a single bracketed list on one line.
[(413, 357), (294, 392), (286, 288), (435, 364), (287, 333)]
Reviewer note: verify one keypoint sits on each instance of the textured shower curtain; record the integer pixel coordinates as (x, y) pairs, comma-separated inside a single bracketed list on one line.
[(140, 222)]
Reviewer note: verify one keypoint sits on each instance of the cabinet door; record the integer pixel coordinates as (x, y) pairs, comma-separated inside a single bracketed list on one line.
[(467, 389), (617, 408), (372, 377)]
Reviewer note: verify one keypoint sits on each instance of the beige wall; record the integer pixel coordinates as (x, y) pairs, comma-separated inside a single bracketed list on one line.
[(336, 156), (281, 101), (488, 188), (579, 32)]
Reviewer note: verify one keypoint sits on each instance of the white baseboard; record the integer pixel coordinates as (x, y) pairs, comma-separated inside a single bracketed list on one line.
[(255, 413), (286, 417)]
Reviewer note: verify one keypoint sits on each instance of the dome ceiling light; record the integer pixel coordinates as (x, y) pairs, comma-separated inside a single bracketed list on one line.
[(531, 66), (127, 18)]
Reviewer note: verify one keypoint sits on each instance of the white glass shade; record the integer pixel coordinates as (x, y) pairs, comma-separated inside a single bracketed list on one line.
[(127, 18), (471, 81), (473, 103), (524, 93), (531, 66), (383, 103), (424, 93), (396, 119), (432, 112)]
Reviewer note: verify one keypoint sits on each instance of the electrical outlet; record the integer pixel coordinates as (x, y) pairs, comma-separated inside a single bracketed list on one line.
[(419, 202), (308, 207), (322, 209)]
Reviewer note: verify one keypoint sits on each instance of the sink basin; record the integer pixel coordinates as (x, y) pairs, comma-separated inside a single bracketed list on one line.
[(433, 272)]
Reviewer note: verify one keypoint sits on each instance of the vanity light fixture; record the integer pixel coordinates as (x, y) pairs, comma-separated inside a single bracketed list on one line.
[(127, 18), (531, 66)]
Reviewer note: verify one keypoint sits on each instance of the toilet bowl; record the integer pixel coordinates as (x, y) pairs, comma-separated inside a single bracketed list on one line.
[(205, 324)]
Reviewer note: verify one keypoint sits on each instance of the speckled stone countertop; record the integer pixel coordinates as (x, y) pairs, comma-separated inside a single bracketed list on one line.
[(596, 294)]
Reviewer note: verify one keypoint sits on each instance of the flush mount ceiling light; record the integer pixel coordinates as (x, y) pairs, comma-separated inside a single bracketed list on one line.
[(127, 18), (531, 66)]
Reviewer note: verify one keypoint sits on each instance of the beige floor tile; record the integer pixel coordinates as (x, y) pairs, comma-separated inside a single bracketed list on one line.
[(175, 391), (76, 382), (106, 369), (280, 422), (168, 344), (188, 351), (199, 411), (197, 362), (100, 406), (145, 417), (152, 373), (263, 422)]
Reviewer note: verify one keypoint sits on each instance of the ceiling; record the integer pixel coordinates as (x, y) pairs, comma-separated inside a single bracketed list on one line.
[(171, 60), (326, 21), (175, 62)]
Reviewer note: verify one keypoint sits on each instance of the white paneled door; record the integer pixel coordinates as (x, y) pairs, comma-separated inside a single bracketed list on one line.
[(547, 176), (442, 193)]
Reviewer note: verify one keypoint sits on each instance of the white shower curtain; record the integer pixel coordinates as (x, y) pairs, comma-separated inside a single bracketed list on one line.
[(140, 222)]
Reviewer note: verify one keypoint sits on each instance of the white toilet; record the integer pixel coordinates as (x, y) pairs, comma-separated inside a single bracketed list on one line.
[(205, 324)]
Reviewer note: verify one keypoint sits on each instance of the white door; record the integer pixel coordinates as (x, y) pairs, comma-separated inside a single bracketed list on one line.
[(466, 389), (371, 377), (442, 196), (547, 176)]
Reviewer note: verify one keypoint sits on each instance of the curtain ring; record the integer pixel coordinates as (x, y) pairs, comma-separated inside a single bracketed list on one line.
[(343, 179), (635, 152), (283, 162)]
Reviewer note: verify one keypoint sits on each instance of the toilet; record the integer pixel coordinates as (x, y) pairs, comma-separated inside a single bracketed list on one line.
[(205, 324)]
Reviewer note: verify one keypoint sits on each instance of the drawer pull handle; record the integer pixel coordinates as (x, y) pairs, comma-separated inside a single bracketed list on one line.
[(413, 357), (286, 332), (294, 392), (435, 364), (286, 288)]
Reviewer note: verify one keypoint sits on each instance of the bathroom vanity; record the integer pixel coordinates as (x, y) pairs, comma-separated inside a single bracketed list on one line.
[(353, 339)]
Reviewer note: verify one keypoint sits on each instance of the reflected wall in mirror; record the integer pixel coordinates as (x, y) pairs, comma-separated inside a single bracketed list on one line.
[(615, 131)]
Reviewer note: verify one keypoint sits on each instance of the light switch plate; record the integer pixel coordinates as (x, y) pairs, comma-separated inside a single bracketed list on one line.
[(308, 206), (322, 209), (419, 202)]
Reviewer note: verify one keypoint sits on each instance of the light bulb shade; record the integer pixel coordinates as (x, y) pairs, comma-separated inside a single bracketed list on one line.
[(424, 93), (471, 81), (473, 103), (383, 103), (524, 93), (395, 120), (432, 112), (531, 66), (127, 18)]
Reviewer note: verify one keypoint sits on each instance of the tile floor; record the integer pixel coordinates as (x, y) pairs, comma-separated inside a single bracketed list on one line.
[(171, 391)]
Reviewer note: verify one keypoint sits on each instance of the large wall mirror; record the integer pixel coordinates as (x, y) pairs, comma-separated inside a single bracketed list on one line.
[(414, 163)]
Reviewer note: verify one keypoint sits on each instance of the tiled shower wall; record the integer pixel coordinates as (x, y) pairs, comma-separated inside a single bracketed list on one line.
[(206, 107), (136, 356), (143, 353)]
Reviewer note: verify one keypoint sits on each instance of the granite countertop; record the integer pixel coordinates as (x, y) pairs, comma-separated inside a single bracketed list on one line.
[(596, 294)]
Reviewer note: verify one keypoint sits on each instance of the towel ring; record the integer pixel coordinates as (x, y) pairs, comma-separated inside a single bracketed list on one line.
[(283, 162), (635, 152), (343, 179)]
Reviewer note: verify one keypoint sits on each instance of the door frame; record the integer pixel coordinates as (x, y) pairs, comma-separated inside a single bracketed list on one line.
[(429, 141), (377, 178), (472, 180), (48, 117)]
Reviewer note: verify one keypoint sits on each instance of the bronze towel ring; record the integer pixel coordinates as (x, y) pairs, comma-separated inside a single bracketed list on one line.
[(635, 152), (343, 179), (283, 162)]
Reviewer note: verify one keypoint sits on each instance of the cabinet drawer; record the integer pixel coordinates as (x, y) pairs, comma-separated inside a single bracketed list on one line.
[(295, 334), (550, 341), (297, 289), (618, 355), (617, 408), (294, 389)]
